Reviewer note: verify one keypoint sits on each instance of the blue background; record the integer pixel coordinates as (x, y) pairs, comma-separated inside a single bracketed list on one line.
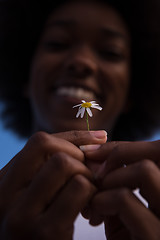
[(9, 145)]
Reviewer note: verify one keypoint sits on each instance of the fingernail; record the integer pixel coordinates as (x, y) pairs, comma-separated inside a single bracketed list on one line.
[(99, 134), (86, 148)]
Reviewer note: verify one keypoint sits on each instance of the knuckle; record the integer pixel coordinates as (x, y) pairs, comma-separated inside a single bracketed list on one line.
[(40, 139), (120, 148), (79, 181), (123, 196), (146, 167), (82, 184), (61, 161), (116, 152), (117, 148), (75, 135)]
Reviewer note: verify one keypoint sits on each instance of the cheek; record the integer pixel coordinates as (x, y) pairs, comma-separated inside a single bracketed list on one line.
[(116, 79), (122, 76), (115, 83), (121, 86)]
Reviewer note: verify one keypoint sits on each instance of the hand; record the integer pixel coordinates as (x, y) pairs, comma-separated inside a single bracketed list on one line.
[(127, 166), (45, 186), (78, 138)]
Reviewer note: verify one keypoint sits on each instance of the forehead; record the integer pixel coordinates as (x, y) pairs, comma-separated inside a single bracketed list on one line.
[(88, 14)]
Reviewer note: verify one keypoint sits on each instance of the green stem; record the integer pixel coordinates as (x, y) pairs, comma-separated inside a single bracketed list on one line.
[(87, 120)]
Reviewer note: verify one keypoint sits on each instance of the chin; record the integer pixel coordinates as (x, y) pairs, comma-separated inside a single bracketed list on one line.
[(70, 127), (63, 126)]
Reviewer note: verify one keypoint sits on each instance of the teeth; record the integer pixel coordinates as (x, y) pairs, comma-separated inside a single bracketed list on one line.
[(79, 93)]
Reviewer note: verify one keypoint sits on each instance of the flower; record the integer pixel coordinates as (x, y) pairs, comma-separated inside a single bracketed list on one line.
[(85, 106)]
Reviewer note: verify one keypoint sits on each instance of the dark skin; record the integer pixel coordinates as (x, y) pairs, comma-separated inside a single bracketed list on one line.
[(88, 59), (125, 217), (111, 200), (53, 179), (43, 182)]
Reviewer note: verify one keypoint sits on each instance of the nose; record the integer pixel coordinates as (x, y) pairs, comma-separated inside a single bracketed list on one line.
[(81, 63)]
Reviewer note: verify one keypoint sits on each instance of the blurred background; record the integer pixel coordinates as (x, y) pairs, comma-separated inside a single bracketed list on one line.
[(9, 144)]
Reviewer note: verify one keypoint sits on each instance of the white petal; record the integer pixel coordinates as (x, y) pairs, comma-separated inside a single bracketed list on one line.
[(95, 104), (77, 105), (82, 112), (97, 107), (83, 101), (78, 113), (89, 112), (92, 102)]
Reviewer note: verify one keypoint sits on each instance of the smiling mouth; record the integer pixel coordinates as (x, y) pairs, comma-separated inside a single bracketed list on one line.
[(76, 92)]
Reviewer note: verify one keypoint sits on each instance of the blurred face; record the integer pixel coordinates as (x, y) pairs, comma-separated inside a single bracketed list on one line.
[(83, 54)]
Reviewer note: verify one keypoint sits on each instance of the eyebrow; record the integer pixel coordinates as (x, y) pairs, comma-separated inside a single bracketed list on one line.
[(113, 33), (108, 32)]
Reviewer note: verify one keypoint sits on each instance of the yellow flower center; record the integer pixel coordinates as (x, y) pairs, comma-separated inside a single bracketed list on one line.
[(86, 105)]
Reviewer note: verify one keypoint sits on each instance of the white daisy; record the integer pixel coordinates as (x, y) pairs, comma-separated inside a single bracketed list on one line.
[(85, 106)]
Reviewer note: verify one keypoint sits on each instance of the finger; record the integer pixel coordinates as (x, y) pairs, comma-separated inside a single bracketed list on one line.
[(144, 175), (47, 184), (119, 154), (115, 229), (69, 203), (78, 138), (84, 137), (87, 213), (141, 223), (49, 144), (31, 159), (102, 153)]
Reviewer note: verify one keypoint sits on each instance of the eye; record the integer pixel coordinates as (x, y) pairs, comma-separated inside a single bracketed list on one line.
[(56, 45), (112, 55)]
